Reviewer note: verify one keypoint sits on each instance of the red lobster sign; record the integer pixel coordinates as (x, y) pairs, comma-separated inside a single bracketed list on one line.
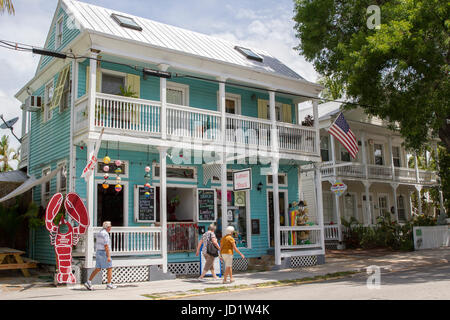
[(63, 242)]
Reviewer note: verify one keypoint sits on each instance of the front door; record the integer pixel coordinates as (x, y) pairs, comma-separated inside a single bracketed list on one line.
[(110, 205), (282, 198)]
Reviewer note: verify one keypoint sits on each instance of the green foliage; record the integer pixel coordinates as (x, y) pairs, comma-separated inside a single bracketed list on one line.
[(7, 154), (398, 72), (6, 5), (128, 92)]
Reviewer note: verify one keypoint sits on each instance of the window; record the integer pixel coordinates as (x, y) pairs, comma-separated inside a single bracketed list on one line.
[(328, 207), (66, 97), (396, 156), (61, 181), (401, 208), (48, 101), (177, 93), (59, 33), (277, 111), (177, 172), (112, 83), (378, 154), (249, 54), (232, 103), (112, 169), (383, 204), (350, 207), (45, 188), (229, 177), (324, 148), (126, 22), (282, 179), (345, 155)]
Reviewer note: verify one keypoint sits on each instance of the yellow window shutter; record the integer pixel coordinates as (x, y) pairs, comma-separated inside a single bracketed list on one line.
[(98, 79), (57, 93), (287, 113), (134, 83), (262, 108)]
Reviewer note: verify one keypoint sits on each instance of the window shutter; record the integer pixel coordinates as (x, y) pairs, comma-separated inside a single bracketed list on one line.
[(57, 93), (134, 83), (98, 79), (287, 113), (262, 108)]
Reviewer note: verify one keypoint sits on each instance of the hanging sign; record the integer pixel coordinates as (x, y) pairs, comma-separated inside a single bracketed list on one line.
[(242, 180), (144, 204), (90, 166), (207, 205), (338, 188)]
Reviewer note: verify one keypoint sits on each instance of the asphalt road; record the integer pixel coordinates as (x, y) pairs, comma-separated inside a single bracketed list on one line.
[(424, 283)]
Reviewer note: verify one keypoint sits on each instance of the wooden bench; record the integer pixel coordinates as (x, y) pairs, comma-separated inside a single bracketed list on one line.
[(11, 259)]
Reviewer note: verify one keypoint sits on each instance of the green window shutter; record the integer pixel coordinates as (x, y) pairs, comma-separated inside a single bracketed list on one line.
[(262, 109), (287, 113), (57, 93), (134, 83)]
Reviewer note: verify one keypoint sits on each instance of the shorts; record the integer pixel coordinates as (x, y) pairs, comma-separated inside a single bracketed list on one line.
[(209, 262), (227, 260), (101, 260)]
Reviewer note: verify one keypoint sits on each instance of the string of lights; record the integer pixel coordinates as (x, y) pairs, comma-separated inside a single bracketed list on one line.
[(146, 71)]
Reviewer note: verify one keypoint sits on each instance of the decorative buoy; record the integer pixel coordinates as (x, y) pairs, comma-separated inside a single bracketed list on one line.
[(147, 169), (147, 194), (106, 168), (118, 179), (105, 186), (106, 176), (118, 187), (147, 186), (147, 176), (118, 163), (118, 170), (106, 160)]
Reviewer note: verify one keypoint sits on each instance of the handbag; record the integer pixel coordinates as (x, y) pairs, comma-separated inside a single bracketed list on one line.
[(211, 249)]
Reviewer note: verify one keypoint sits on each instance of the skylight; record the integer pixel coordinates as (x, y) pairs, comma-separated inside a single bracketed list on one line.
[(249, 54), (126, 22)]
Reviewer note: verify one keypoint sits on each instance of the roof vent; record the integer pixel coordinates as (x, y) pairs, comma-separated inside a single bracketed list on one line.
[(249, 54), (126, 22)]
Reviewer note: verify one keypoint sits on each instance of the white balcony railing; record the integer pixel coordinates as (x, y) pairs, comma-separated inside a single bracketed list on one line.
[(331, 232), (293, 137), (248, 131), (300, 237), (134, 240), (379, 172)]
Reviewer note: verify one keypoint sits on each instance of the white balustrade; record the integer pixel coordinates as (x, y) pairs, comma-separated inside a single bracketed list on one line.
[(379, 172), (331, 232), (248, 131), (300, 237), (117, 112), (293, 137), (405, 174), (193, 123), (134, 240)]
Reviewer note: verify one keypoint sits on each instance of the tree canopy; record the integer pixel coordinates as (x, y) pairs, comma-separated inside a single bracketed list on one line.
[(398, 70)]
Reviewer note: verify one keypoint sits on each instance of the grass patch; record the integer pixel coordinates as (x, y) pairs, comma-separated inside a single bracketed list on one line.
[(215, 289), (152, 296)]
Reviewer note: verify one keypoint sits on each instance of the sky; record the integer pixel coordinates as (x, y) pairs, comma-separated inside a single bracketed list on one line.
[(262, 24)]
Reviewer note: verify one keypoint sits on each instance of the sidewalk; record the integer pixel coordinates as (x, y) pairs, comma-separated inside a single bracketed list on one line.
[(135, 291)]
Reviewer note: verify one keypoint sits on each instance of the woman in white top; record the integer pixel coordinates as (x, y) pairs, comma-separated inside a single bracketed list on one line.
[(207, 237)]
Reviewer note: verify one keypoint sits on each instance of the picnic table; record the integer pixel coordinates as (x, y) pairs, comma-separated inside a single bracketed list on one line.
[(11, 259)]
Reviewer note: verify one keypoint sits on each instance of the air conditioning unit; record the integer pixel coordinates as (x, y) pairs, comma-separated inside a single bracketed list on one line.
[(32, 104)]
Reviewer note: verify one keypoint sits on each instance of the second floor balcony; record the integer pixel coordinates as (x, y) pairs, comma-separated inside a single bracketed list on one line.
[(143, 118), (357, 171)]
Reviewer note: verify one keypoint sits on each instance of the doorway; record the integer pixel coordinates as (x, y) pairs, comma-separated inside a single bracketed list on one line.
[(110, 205), (364, 208), (283, 206)]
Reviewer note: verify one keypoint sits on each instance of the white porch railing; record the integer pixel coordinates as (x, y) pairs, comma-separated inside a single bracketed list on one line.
[(194, 123), (293, 137), (125, 113), (248, 131), (379, 172), (300, 237), (405, 174), (331, 232), (134, 240)]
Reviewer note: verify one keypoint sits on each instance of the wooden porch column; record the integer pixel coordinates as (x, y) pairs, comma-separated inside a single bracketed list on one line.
[(90, 195), (392, 157), (419, 198), (319, 199), (364, 154), (163, 98), (163, 203), (223, 168), (441, 195), (368, 206), (72, 150), (276, 211), (316, 124), (92, 89), (394, 191), (416, 166)]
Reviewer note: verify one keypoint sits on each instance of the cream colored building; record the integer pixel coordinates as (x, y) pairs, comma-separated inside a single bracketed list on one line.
[(378, 180)]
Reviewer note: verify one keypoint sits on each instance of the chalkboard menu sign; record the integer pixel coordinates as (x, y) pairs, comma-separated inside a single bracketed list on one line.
[(144, 205), (206, 205)]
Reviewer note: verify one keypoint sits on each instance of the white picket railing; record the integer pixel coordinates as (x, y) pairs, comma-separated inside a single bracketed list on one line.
[(405, 174), (293, 137), (331, 232), (193, 123), (116, 112), (248, 131), (379, 172), (294, 237), (134, 240)]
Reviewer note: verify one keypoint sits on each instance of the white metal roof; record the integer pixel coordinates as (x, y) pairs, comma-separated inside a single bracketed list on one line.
[(98, 19)]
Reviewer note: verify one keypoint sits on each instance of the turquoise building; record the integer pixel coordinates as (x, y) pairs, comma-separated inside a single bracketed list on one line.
[(183, 112)]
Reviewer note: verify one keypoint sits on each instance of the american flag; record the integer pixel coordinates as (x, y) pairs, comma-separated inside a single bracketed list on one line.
[(341, 131)]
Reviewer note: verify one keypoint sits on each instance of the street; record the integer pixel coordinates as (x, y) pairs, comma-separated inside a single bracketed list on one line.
[(425, 283)]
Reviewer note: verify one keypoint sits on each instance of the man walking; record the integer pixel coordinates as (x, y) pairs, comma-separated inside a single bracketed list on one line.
[(102, 256)]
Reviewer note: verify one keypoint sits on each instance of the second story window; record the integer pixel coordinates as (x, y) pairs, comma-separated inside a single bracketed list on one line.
[(396, 156), (59, 33), (111, 84), (48, 96), (45, 188), (324, 148), (277, 111), (345, 155), (378, 154), (177, 93), (62, 179)]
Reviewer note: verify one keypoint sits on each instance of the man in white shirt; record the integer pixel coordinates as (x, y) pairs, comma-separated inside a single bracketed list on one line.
[(102, 256)]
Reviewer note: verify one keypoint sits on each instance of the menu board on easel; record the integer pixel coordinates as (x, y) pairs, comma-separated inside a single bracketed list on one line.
[(144, 204), (206, 205)]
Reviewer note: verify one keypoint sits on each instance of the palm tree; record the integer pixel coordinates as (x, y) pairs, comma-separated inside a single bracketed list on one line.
[(7, 154), (6, 5)]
